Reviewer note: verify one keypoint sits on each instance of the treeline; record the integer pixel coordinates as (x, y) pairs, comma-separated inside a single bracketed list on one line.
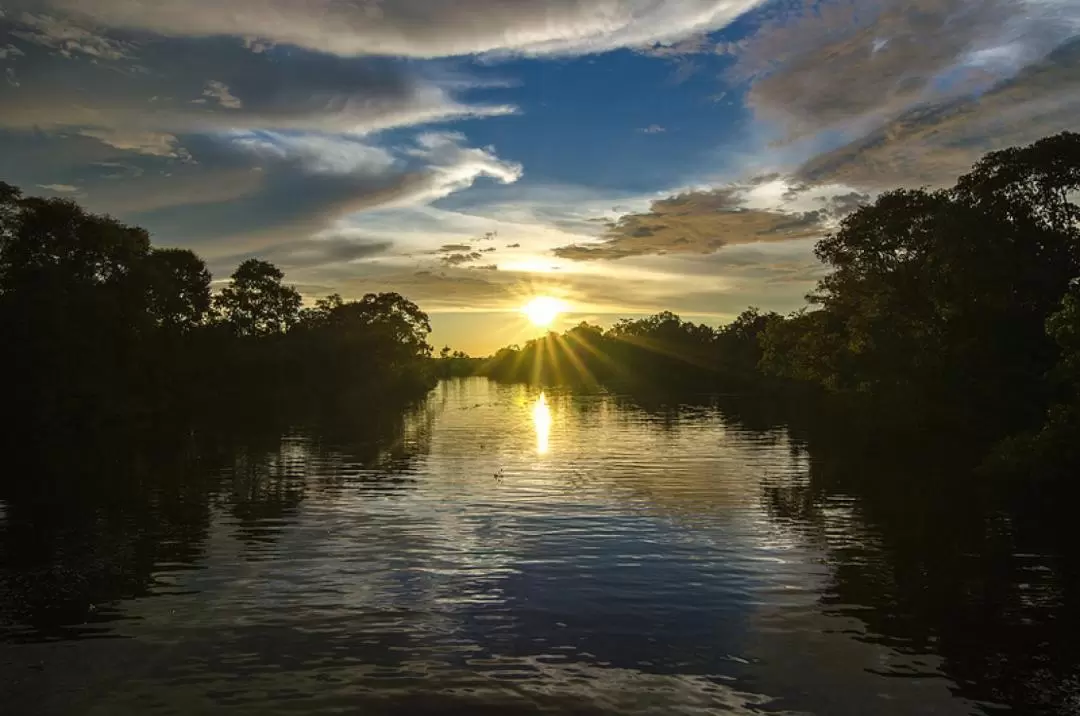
[(661, 352), (456, 364), (97, 326), (957, 307)]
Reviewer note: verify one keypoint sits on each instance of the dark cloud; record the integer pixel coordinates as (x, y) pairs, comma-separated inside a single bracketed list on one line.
[(513, 246), (842, 204), (698, 223), (934, 143), (461, 258), (451, 248), (143, 97), (204, 140)]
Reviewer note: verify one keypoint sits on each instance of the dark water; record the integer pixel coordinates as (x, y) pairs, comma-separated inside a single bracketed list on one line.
[(497, 550)]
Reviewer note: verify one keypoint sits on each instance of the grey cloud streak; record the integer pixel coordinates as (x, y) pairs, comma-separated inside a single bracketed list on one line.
[(142, 99), (846, 59), (921, 88), (205, 141), (935, 143), (421, 28)]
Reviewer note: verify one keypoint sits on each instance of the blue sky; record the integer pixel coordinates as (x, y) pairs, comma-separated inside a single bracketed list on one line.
[(626, 156)]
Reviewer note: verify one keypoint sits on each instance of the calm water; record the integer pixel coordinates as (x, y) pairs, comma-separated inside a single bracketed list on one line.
[(501, 550)]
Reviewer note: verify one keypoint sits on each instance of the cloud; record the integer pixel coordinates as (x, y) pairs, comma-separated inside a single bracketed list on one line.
[(451, 166), (444, 289), (934, 143), (845, 60), (461, 258), (316, 153), (911, 92), (653, 129), (697, 222), (220, 92), (144, 99), (310, 253), (424, 28), (205, 141), (60, 188), (155, 144), (309, 185), (68, 39)]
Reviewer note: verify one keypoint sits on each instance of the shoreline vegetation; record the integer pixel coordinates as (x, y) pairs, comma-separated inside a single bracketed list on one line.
[(945, 312), (102, 334)]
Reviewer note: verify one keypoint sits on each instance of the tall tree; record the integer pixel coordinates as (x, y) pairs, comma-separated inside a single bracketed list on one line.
[(178, 286), (256, 302)]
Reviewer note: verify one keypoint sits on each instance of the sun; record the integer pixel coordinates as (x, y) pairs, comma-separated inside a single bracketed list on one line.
[(542, 310)]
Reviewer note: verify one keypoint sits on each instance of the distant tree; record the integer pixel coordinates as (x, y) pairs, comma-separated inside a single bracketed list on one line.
[(256, 303)]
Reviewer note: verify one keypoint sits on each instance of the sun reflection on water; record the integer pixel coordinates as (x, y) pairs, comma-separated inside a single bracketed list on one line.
[(542, 422)]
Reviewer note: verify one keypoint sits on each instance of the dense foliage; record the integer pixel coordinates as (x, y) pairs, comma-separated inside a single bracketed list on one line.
[(97, 325), (659, 352), (954, 307)]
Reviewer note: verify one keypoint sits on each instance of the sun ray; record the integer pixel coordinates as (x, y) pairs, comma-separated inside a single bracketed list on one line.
[(572, 357), (601, 357)]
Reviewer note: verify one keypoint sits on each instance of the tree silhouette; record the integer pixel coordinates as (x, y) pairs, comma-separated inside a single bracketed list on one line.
[(100, 327), (256, 303), (178, 285)]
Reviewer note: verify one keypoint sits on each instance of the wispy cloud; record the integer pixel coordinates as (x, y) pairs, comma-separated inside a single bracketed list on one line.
[(934, 143), (68, 39), (421, 28), (144, 99)]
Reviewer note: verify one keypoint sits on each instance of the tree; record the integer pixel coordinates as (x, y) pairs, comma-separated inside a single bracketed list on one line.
[(1028, 184), (943, 295), (256, 303), (56, 242), (178, 287)]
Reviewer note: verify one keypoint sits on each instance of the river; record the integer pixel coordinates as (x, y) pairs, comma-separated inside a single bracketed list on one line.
[(499, 549)]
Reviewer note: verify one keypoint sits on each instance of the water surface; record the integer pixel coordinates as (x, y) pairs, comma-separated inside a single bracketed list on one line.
[(503, 550)]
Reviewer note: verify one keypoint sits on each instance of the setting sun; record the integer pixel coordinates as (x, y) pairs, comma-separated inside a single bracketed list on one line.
[(543, 310)]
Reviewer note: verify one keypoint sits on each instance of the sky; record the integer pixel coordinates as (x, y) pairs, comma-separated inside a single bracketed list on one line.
[(623, 156)]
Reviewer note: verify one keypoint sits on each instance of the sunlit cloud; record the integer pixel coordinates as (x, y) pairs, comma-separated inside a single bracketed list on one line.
[(422, 28)]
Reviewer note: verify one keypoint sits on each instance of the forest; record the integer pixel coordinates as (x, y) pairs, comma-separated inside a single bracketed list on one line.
[(946, 310), (98, 329)]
